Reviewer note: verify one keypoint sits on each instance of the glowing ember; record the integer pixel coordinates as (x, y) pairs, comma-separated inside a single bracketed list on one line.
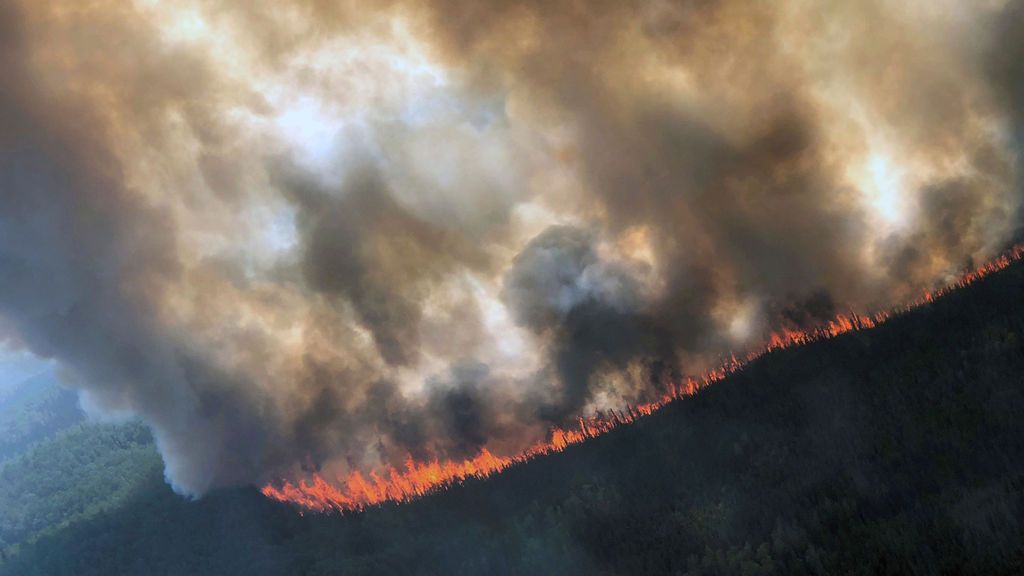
[(419, 478)]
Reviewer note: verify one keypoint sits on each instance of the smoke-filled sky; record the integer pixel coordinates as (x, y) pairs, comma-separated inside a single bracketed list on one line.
[(295, 235)]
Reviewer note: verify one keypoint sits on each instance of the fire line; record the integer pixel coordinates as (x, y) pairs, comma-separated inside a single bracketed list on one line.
[(358, 491)]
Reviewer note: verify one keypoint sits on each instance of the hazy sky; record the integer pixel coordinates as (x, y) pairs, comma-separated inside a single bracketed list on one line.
[(18, 366)]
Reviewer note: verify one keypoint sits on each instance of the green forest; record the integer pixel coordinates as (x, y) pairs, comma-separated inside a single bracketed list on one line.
[(898, 450), (35, 410)]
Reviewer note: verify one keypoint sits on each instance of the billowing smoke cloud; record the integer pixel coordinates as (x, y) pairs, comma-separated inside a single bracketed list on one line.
[(591, 309), (321, 236)]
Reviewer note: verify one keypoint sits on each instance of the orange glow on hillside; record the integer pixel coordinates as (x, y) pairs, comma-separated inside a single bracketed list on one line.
[(416, 479)]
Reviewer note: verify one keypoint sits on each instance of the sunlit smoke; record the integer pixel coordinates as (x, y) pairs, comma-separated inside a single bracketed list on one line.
[(320, 239)]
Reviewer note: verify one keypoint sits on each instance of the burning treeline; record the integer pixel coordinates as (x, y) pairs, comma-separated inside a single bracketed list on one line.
[(314, 239), (417, 479)]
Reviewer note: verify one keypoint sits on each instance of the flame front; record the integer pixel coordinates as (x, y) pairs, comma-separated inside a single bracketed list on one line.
[(416, 479)]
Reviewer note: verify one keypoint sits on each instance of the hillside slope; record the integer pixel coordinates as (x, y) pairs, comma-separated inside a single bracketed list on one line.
[(895, 450), (34, 410), (75, 475)]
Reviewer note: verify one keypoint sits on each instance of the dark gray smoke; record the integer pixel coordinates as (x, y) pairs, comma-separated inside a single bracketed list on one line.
[(317, 236)]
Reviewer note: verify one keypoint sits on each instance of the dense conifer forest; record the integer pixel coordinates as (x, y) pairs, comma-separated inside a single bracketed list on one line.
[(897, 450), (35, 410)]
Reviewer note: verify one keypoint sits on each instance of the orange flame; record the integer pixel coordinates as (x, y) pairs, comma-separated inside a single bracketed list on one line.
[(356, 492)]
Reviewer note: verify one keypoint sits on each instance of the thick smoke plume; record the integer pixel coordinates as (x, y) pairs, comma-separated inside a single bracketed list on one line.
[(326, 236)]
